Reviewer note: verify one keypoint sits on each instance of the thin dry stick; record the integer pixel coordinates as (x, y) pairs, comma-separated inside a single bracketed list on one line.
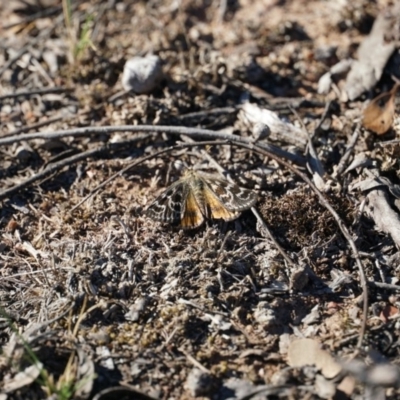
[(322, 119), (314, 164), (208, 113), (205, 154), (194, 361), (343, 161), (271, 236), (34, 126), (387, 286), (173, 130), (387, 143), (50, 169), (34, 92), (143, 159)]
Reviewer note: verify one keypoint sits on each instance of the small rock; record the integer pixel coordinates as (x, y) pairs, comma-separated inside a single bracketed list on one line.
[(142, 74), (199, 383), (136, 309), (299, 279)]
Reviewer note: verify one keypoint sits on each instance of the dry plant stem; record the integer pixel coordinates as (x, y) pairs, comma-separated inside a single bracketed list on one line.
[(173, 130), (82, 315), (382, 285), (34, 126), (194, 361), (350, 147), (314, 163), (271, 236), (341, 225), (387, 143), (141, 160), (198, 307), (9, 277), (207, 113), (50, 169), (221, 248), (35, 92), (322, 119)]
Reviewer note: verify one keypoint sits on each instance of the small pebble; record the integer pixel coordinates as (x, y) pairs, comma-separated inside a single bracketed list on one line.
[(142, 74)]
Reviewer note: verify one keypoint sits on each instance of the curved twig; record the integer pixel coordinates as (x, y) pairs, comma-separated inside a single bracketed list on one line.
[(173, 130), (35, 92), (265, 228)]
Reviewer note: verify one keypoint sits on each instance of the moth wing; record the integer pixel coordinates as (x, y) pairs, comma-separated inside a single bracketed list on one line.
[(170, 205), (192, 217), (216, 208), (233, 197)]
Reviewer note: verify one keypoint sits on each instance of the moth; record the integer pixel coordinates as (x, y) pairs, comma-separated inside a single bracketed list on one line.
[(197, 196)]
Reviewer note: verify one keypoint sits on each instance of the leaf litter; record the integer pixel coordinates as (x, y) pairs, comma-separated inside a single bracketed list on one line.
[(111, 302)]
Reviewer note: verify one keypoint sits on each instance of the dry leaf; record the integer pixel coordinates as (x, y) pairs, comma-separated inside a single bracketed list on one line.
[(387, 312), (379, 114)]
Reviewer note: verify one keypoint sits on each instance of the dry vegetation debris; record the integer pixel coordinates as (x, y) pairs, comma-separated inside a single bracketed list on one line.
[(296, 298)]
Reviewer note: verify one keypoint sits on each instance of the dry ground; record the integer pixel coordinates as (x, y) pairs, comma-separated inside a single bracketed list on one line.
[(103, 296)]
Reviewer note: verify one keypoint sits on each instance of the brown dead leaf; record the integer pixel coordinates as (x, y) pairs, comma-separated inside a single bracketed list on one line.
[(379, 114), (388, 312)]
